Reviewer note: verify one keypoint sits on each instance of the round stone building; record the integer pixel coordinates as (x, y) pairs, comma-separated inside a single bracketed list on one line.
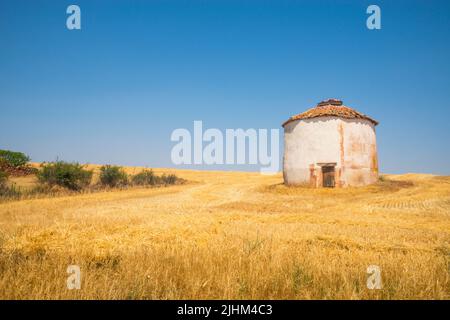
[(330, 145)]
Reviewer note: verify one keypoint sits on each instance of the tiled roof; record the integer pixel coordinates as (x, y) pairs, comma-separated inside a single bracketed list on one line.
[(330, 108)]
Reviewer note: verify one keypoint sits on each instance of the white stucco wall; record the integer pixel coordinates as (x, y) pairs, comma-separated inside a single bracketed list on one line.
[(360, 152), (349, 143)]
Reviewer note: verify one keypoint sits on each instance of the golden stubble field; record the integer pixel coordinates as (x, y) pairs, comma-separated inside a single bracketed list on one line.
[(230, 235)]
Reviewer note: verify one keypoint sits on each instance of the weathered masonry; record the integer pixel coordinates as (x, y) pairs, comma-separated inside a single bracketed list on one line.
[(330, 145)]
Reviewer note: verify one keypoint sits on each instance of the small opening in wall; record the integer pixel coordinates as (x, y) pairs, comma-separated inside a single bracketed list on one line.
[(328, 173)]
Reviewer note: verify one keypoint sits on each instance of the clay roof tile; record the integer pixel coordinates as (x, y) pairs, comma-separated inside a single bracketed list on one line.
[(333, 108)]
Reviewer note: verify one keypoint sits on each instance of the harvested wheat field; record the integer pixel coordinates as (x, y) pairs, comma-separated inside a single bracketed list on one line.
[(229, 235)]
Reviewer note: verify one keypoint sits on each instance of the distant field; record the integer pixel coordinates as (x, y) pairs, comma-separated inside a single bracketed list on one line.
[(229, 235)]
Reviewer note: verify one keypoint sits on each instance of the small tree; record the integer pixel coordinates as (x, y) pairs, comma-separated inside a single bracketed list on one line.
[(72, 176), (113, 176), (14, 159)]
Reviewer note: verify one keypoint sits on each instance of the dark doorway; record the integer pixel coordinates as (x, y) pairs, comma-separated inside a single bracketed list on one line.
[(328, 176)]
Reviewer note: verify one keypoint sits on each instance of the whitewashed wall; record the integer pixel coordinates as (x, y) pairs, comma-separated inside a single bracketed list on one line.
[(350, 143)]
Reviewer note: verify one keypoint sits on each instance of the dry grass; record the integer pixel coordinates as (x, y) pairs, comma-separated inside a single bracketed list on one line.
[(231, 235)]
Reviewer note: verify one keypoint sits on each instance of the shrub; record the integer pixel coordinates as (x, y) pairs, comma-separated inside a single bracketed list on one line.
[(169, 179), (146, 177), (72, 176), (14, 159), (113, 176)]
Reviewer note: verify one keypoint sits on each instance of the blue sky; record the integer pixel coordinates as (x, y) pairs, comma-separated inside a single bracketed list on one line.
[(114, 91)]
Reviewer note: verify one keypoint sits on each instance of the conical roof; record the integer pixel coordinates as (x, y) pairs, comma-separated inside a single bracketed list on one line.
[(330, 108)]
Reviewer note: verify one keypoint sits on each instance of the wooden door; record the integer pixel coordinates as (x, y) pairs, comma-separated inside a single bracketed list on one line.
[(328, 176)]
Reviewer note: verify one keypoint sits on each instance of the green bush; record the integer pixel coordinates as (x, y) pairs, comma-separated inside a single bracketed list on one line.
[(113, 176), (14, 159), (72, 176), (169, 179), (146, 177)]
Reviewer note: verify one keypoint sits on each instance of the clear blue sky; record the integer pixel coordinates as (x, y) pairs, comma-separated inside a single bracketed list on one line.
[(114, 91)]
